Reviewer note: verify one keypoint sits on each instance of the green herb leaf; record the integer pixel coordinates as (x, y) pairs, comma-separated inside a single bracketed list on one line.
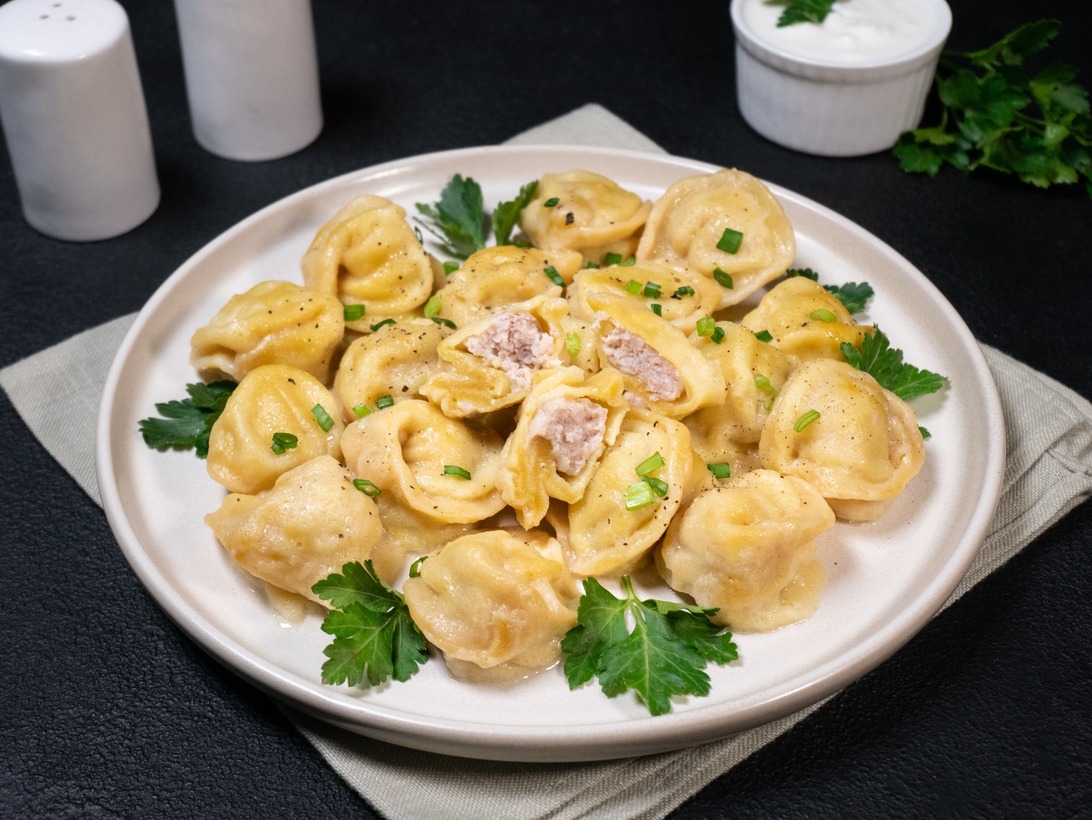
[(854, 295), (664, 654), (458, 218), (374, 635), (185, 424), (884, 363), (506, 214), (803, 11)]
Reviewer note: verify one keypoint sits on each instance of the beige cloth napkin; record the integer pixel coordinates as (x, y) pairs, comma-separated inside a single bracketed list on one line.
[(1049, 472)]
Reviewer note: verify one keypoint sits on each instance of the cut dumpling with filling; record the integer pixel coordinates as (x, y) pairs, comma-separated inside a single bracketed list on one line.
[(494, 278), (310, 524), (273, 322), (394, 361), (496, 603), (747, 547), (586, 212), (805, 320), (277, 418), (435, 465), (368, 254), (661, 368), (725, 225), (489, 365), (565, 424), (835, 427)]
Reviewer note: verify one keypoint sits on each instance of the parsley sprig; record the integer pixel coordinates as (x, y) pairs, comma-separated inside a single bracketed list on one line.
[(185, 424), (803, 11), (996, 115), (374, 635), (459, 221), (664, 654), (885, 364), (854, 295)]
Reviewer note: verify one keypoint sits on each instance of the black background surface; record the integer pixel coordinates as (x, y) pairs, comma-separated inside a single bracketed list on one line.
[(107, 710)]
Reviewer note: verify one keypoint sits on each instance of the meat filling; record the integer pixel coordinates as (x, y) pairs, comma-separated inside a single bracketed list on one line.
[(634, 356), (514, 343), (574, 428)]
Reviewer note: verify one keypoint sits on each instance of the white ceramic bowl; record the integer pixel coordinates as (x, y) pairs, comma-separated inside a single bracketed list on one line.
[(833, 101)]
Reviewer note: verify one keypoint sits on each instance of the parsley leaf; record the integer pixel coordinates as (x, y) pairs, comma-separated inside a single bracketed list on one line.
[(506, 214), (854, 295), (186, 423), (663, 655), (884, 363), (458, 218), (997, 115), (803, 11), (374, 636)]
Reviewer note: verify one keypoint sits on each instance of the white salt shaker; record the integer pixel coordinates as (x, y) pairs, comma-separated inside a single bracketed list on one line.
[(252, 76), (74, 117)]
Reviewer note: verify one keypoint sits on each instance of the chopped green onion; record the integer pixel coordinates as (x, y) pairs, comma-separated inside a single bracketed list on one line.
[(592, 265), (555, 277), (823, 315), (658, 309), (764, 336), (322, 417), (766, 386), (572, 343), (457, 471), (284, 441), (361, 410), (384, 401), (681, 291), (659, 486), (720, 469), (718, 335), (366, 487), (629, 262), (433, 306), (450, 268), (730, 241), (706, 325), (378, 325), (440, 320), (353, 312), (638, 495), (415, 567), (612, 259), (633, 287), (723, 278), (650, 464), (652, 290), (805, 419), (552, 202)]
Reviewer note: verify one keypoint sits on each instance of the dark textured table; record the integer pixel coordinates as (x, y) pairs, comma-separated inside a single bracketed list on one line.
[(108, 710)]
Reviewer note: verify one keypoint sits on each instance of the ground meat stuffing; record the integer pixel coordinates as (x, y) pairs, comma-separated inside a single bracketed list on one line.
[(514, 343), (632, 355), (574, 428)]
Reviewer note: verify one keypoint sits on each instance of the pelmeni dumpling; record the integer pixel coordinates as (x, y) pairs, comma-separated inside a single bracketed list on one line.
[(409, 534), (682, 296), (490, 363), (496, 603), (494, 278), (310, 524), (368, 254), (394, 361), (862, 446), (688, 222), (805, 320), (753, 372), (663, 370), (411, 450), (600, 535), (272, 400), (586, 212), (565, 424), (747, 547), (274, 322)]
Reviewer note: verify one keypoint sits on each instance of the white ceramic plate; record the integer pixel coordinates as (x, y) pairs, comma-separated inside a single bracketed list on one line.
[(885, 579)]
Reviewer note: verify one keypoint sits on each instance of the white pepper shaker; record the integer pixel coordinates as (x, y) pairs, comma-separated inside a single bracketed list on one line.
[(252, 76), (74, 117)]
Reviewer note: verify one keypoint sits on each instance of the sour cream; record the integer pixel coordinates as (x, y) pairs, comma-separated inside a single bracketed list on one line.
[(855, 31)]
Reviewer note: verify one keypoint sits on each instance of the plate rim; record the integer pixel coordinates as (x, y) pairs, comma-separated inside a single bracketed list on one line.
[(627, 737)]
